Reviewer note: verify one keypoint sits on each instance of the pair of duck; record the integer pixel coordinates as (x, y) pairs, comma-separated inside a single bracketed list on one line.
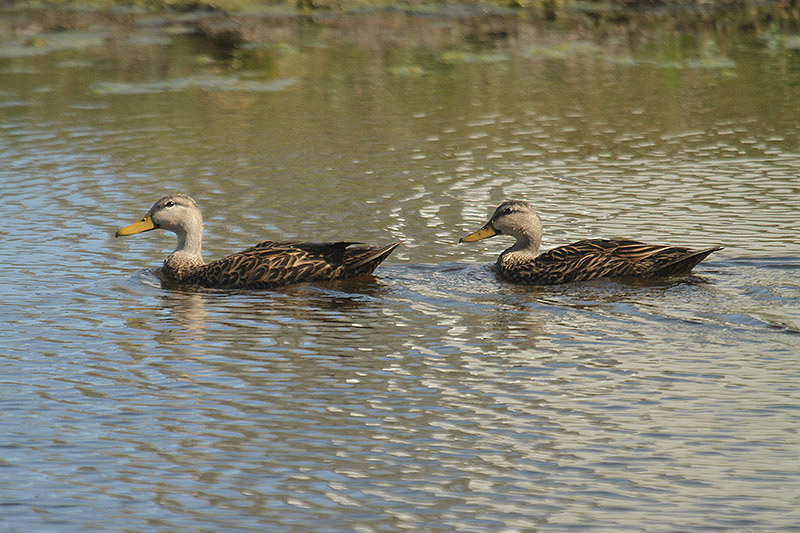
[(271, 264)]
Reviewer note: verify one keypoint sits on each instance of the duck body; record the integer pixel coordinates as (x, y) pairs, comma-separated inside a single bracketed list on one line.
[(598, 258), (580, 261), (271, 264), (266, 265)]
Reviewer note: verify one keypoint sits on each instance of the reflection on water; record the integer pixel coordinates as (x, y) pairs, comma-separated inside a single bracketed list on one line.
[(432, 396)]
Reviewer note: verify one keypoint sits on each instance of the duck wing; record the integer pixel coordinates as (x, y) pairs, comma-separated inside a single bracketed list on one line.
[(271, 264), (596, 258)]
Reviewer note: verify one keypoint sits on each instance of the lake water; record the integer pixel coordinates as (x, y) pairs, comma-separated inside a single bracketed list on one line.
[(432, 396)]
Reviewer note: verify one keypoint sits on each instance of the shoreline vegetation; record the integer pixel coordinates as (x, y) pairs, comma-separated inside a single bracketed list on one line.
[(238, 21), (543, 8)]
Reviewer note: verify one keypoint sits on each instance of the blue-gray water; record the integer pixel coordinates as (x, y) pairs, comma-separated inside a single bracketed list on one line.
[(432, 397)]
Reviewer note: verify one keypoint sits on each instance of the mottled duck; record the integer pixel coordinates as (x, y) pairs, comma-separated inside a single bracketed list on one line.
[(580, 261), (266, 265)]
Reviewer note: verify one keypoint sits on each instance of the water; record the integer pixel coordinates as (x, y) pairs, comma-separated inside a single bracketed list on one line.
[(433, 396)]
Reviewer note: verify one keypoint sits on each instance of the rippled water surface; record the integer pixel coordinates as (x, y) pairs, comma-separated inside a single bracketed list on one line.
[(432, 396)]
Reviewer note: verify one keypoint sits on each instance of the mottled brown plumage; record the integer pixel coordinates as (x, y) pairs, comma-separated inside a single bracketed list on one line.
[(266, 265), (579, 261)]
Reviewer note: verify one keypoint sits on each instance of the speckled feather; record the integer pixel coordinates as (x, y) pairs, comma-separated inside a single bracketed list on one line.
[(591, 259), (272, 264)]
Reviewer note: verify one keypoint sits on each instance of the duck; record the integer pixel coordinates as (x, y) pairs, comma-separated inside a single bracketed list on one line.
[(266, 265), (580, 261)]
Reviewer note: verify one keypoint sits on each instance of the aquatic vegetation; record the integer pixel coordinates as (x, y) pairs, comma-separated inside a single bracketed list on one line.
[(791, 42), (75, 63), (711, 63), (407, 71), (202, 82), (47, 43), (563, 50), (620, 60), (280, 48), (454, 57), (705, 55)]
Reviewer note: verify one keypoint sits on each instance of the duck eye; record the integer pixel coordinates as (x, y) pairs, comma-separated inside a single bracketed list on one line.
[(508, 211), (169, 204)]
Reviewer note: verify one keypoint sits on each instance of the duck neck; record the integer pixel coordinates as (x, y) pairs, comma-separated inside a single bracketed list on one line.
[(529, 238), (186, 258), (190, 243), (526, 246)]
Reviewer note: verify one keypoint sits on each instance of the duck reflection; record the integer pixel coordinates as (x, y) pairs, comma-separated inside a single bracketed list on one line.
[(210, 315)]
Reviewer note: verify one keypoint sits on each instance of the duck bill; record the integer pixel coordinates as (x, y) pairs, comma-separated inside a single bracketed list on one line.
[(146, 224), (483, 233)]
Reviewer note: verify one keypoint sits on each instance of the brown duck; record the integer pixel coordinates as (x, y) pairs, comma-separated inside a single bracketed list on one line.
[(266, 265), (579, 261)]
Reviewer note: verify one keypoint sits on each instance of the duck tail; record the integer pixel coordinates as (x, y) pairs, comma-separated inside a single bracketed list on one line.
[(684, 265), (365, 260)]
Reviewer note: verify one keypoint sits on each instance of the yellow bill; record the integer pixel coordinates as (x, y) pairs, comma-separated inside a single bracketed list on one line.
[(483, 233), (146, 224)]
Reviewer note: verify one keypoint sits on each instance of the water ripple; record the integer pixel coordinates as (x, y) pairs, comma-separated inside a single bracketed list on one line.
[(434, 395)]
